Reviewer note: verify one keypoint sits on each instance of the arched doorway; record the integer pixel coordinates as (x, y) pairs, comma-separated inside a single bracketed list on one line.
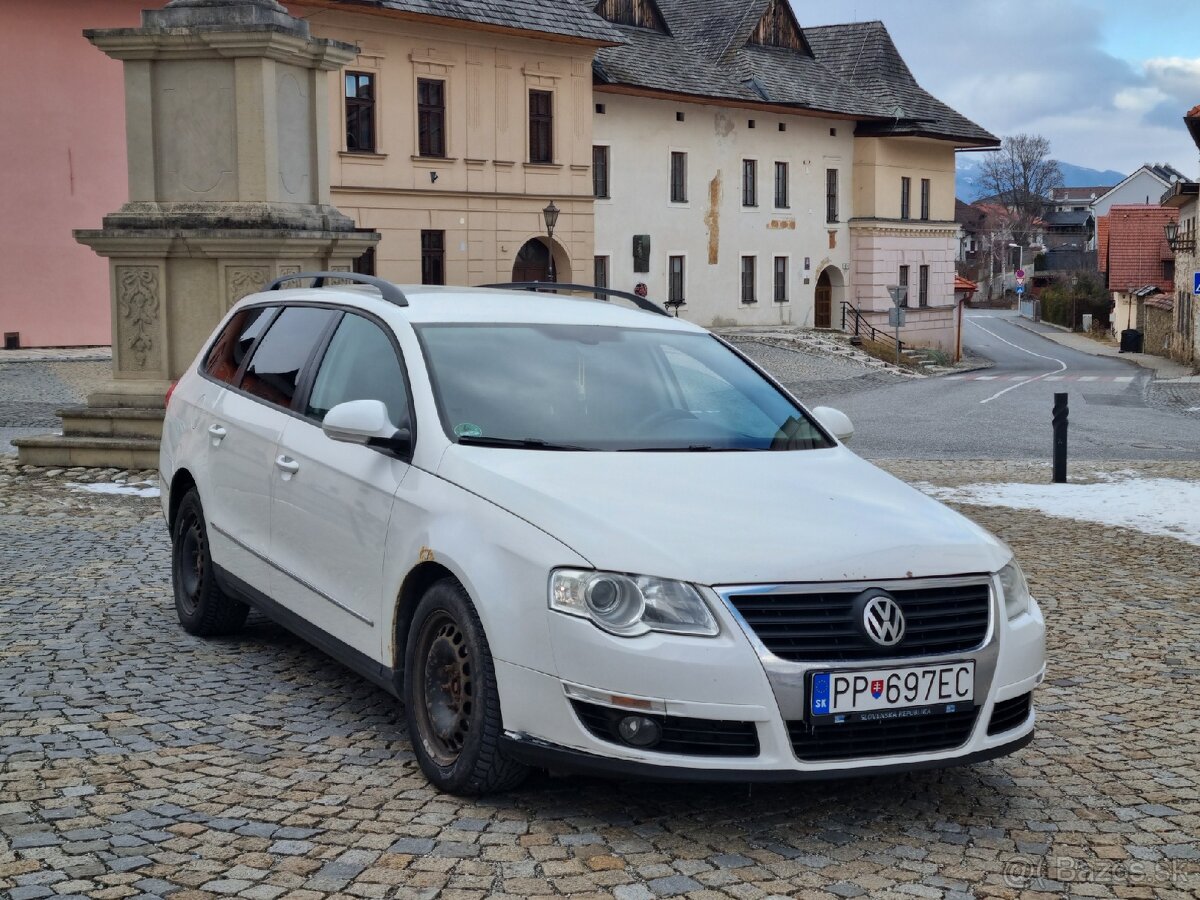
[(823, 308), (533, 261), (828, 295)]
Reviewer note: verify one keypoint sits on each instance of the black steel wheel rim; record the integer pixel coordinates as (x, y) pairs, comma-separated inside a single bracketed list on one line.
[(446, 683), (190, 557)]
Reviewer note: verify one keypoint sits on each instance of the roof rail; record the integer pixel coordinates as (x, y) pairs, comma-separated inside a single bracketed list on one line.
[(554, 286), (389, 291)]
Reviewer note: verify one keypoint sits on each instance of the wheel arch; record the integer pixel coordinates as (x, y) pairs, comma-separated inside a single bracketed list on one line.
[(416, 583), (181, 482)]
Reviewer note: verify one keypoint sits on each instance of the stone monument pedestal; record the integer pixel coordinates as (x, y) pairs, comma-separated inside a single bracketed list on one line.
[(227, 111)]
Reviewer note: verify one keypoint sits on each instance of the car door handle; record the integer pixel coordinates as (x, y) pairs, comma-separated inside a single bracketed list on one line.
[(217, 433), (287, 465)]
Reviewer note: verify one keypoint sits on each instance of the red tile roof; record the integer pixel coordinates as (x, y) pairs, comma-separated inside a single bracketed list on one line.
[(964, 284), (1135, 246)]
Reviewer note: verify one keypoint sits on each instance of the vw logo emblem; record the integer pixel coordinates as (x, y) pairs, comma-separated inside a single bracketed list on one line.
[(882, 619)]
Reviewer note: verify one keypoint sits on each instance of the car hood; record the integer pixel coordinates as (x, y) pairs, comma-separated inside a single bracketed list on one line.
[(730, 518)]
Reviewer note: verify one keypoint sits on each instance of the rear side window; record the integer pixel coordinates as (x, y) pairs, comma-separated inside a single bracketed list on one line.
[(360, 364), (227, 353), (275, 368)]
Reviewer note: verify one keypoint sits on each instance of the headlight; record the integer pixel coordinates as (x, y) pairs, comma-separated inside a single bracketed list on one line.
[(629, 605), (1016, 590)]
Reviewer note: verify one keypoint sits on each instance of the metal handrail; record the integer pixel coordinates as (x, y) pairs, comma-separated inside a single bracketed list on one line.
[(552, 286), (387, 290), (850, 310)]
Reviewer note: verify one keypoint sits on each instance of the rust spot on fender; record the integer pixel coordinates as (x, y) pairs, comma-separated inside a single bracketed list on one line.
[(712, 219), (426, 555)]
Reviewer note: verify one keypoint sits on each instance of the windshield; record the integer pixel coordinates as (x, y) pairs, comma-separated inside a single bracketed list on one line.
[(588, 387)]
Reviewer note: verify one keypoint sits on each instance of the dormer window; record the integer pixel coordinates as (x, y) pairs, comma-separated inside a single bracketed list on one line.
[(638, 13), (778, 28)]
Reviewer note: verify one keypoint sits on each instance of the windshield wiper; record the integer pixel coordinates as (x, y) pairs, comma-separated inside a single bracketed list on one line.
[(522, 443)]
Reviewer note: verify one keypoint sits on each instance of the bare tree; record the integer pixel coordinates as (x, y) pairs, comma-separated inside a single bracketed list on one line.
[(1020, 174)]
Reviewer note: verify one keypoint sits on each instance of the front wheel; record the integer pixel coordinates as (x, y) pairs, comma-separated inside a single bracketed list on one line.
[(203, 608), (450, 697)]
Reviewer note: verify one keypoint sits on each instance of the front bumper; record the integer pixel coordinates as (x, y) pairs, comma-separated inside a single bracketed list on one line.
[(731, 679)]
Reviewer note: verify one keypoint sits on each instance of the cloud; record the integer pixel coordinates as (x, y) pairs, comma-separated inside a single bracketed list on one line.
[(1019, 67)]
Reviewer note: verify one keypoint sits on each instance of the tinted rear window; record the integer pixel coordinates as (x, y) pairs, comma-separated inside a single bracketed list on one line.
[(227, 353), (275, 368)]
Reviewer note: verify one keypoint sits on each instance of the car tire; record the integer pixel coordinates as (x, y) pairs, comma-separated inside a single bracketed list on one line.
[(203, 608), (450, 697)]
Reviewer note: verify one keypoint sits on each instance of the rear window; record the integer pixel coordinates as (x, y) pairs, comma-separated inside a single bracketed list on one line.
[(274, 369), (228, 351)]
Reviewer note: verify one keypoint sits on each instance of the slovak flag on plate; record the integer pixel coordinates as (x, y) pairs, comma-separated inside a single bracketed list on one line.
[(877, 688)]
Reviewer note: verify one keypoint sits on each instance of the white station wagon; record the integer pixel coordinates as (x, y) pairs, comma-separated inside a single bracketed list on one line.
[(569, 533)]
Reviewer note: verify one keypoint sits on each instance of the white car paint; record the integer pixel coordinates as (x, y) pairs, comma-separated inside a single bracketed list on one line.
[(350, 525)]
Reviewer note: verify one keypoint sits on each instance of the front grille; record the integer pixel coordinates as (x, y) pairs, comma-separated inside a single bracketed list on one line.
[(886, 737), (1008, 714), (690, 737), (803, 627)]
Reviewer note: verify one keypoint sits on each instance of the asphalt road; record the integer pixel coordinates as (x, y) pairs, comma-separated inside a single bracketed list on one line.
[(1005, 412)]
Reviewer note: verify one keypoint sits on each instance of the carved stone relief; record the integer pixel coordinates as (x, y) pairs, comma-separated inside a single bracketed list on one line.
[(138, 312), (243, 280)]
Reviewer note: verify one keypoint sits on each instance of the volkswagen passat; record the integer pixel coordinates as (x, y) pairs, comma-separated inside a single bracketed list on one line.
[(570, 533)]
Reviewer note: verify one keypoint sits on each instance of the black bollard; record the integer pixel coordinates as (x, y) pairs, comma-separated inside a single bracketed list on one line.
[(1060, 438)]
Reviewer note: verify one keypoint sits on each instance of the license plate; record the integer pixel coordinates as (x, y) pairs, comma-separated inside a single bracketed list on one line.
[(866, 691)]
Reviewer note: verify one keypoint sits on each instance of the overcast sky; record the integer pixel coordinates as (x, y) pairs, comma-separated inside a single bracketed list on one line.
[(1106, 81)]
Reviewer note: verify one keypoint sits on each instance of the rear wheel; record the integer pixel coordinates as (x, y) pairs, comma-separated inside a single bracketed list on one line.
[(450, 696), (203, 608)]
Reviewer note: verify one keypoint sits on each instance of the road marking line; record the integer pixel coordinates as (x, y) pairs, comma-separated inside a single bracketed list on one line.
[(1023, 350), (1087, 377), (987, 377), (1054, 378), (1124, 378)]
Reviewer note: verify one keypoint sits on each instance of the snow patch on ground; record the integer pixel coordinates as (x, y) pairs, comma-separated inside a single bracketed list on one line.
[(1163, 506), (137, 489)]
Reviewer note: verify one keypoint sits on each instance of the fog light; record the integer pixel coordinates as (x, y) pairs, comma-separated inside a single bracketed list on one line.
[(640, 731)]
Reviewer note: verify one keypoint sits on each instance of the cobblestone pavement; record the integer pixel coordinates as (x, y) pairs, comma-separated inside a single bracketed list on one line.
[(137, 761), (1178, 396), (31, 391)]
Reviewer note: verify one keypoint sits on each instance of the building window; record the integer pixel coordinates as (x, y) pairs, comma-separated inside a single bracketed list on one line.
[(600, 186), (365, 264), (433, 257), (781, 279), (360, 112), (904, 284), (1168, 270), (905, 197), (431, 117), (925, 187), (678, 177), (923, 286), (600, 273), (749, 263), (675, 271), (781, 185), (749, 182), (541, 127), (831, 195)]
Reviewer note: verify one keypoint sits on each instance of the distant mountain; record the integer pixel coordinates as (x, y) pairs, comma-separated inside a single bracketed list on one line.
[(968, 183)]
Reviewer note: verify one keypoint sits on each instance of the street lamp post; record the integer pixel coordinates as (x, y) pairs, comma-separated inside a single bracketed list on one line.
[(550, 214)]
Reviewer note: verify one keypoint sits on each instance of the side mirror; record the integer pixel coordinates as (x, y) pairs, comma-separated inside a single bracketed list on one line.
[(835, 421), (366, 422)]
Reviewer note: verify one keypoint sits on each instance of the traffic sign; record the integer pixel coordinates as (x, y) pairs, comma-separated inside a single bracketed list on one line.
[(1020, 289), (1196, 284), (1020, 279), (1021, 273)]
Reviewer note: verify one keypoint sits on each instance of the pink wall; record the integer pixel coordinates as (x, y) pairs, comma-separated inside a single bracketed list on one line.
[(62, 166)]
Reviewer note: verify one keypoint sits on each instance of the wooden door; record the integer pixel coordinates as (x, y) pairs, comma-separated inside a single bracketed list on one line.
[(823, 314)]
